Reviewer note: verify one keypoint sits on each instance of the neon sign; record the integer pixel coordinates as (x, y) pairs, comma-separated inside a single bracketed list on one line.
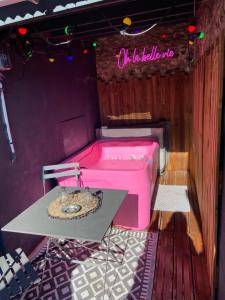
[(135, 56)]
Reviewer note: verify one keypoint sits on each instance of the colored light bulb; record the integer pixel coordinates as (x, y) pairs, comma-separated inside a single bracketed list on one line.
[(190, 42), (201, 35), (51, 59), (94, 44), (67, 30), (191, 37), (164, 36), (127, 21), (191, 28), (22, 30), (70, 57), (85, 51)]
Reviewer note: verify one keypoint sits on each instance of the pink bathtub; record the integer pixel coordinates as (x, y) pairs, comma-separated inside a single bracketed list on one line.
[(129, 164)]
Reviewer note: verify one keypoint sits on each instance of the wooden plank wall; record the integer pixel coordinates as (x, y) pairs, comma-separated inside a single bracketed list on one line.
[(205, 143), (146, 100)]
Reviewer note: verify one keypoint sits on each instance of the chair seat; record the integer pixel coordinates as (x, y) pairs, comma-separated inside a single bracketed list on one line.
[(16, 274)]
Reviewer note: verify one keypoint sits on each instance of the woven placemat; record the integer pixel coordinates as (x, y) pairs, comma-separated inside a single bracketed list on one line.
[(63, 208)]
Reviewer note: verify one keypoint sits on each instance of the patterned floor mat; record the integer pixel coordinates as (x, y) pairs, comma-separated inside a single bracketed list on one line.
[(130, 271)]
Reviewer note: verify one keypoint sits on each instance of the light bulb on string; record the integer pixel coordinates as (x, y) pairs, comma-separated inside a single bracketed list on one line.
[(127, 21), (70, 56), (164, 36), (201, 35), (192, 37), (84, 48), (51, 58), (68, 30), (191, 28), (94, 44), (22, 31)]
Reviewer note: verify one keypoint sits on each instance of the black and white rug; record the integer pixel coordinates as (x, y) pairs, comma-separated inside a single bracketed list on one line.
[(130, 271)]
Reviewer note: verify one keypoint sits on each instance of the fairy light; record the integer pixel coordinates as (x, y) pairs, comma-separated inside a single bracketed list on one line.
[(22, 30), (191, 28), (164, 36), (127, 21), (51, 58), (201, 35), (70, 56), (67, 30)]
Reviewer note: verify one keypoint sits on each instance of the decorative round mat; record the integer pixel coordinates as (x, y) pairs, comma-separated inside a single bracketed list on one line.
[(74, 205)]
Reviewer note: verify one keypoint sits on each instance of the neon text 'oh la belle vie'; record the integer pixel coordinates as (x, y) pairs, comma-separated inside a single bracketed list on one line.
[(134, 56)]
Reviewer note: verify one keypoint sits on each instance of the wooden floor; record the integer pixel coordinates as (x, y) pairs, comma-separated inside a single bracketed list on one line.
[(180, 264)]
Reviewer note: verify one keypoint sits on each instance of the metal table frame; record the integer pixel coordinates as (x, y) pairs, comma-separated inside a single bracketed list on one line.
[(21, 225), (59, 243)]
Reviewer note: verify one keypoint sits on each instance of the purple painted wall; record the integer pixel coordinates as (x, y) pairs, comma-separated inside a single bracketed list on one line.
[(53, 111)]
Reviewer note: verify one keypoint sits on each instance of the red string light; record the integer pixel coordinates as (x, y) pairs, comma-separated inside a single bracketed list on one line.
[(164, 36), (191, 28), (22, 30)]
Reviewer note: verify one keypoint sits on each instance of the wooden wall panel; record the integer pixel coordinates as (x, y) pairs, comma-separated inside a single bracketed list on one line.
[(143, 101), (204, 152)]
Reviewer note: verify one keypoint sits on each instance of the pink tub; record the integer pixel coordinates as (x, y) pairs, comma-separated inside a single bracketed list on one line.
[(129, 164)]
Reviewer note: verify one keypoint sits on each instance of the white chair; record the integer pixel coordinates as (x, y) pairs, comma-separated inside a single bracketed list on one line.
[(17, 275), (72, 169)]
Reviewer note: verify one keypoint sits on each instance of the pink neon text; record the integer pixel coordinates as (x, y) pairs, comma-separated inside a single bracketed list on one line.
[(125, 57)]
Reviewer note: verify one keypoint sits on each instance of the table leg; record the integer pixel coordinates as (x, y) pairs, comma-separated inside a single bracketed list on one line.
[(108, 244), (43, 270), (107, 261)]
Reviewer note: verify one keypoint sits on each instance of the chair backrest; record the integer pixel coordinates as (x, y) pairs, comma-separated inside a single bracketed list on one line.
[(16, 274), (72, 169)]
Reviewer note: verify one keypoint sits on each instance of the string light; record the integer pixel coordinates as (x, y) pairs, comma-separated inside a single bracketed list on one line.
[(127, 21), (192, 37), (22, 30), (70, 56), (67, 30), (164, 36), (85, 51), (201, 35), (191, 28), (51, 58), (94, 44)]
